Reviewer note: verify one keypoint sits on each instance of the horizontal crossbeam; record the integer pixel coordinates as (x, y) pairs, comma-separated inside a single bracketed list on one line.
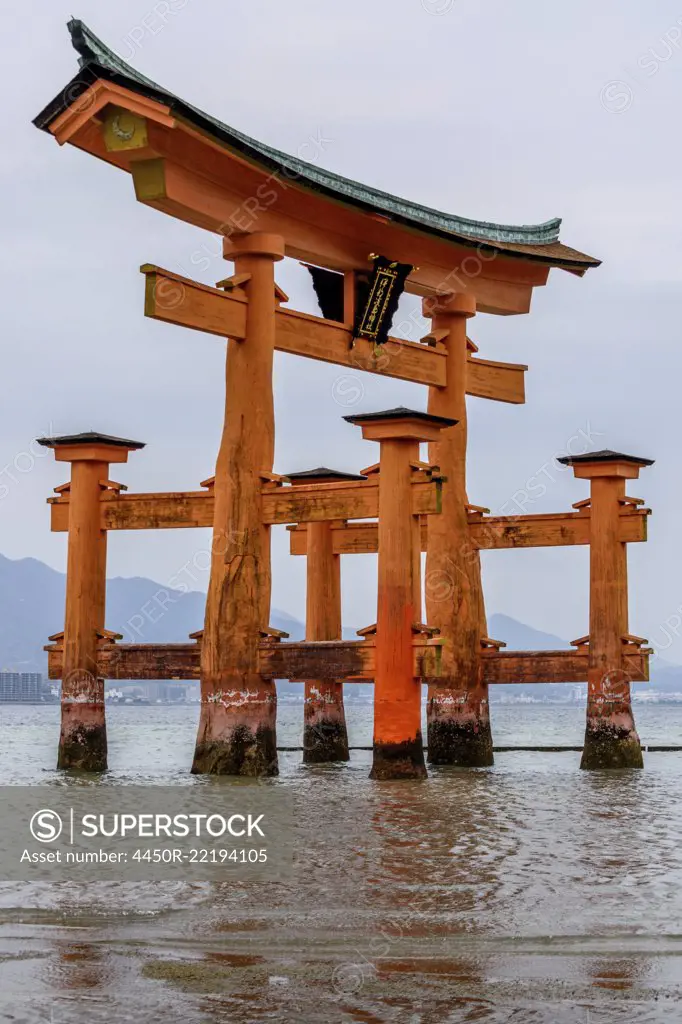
[(281, 505), (346, 660), (525, 667), (335, 660), (490, 532), (186, 303)]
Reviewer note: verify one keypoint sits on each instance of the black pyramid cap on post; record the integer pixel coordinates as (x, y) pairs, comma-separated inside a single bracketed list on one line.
[(90, 437), (401, 413), (323, 473), (605, 455)]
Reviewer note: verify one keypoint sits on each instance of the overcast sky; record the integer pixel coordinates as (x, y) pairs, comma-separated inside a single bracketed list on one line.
[(510, 112)]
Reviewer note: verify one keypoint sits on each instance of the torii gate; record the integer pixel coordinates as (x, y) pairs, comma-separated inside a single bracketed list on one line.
[(267, 206)]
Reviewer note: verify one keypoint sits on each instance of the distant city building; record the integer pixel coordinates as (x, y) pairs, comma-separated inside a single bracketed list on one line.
[(23, 688)]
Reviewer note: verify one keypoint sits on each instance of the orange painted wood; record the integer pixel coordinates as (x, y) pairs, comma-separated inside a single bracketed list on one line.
[(502, 382), (213, 187), (608, 596), (82, 689), (397, 695), (490, 533), (325, 736), (343, 501), (99, 95), (193, 509), (323, 233), (350, 661), (238, 710), (323, 594), (458, 713), (179, 300), (526, 667)]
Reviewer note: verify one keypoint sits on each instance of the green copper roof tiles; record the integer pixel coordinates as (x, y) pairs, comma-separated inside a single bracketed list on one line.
[(539, 241)]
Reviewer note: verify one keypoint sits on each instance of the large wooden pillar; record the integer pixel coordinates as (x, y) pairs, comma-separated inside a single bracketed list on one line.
[(611, 739), (83, 736), (398, 747), (458, 715), (237, 734), (325, 737)]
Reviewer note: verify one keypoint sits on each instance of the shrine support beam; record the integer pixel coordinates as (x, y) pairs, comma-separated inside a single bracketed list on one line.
[(281, 505), (559, 529), (611, 739), (237, 726), (352, 661), (172, 298), (325, 737), (458, 716), (83, 735), (398, 750)]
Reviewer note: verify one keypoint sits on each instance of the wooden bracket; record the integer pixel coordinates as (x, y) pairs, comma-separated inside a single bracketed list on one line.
[(112, 485), (270, 633), (479, 510), (198, 635), (582, 641), (584, 504), (367, 630), (108, 635), (633, 641), (471, 345), (234, 283), (273, 478), (422, 628), (371, 470), (487, 643), (630, 501), (209, 482), (63, 488), (280, 295), (434, 337)]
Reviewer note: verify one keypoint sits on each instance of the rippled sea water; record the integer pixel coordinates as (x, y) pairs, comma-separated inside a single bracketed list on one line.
[(528, 892)]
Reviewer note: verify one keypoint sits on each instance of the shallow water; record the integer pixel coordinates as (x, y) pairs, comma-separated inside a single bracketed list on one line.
[(526, 892)]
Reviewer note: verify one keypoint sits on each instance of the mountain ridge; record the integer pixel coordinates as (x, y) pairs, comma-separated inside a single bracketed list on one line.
[(144, 611)]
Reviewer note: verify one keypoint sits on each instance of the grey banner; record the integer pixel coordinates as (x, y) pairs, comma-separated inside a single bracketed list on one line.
[(99, 832)]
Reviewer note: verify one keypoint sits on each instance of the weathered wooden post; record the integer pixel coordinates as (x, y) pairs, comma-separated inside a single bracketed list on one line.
[(237, 726), (398, 748), (325, 737), (83, 737), (458, 716), (611, 739)]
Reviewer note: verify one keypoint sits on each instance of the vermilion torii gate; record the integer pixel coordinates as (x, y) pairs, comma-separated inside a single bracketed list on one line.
[(267, 205)]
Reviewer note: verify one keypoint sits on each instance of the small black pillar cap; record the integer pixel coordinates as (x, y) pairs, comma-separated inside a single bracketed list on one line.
[(90, 437), (322, 473), (605, 455), (401, 413)]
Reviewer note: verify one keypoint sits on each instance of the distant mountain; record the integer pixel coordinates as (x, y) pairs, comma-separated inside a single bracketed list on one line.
[(32, 607), (519, 637)]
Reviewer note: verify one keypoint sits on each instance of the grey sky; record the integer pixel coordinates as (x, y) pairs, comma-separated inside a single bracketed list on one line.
[(511, 112)]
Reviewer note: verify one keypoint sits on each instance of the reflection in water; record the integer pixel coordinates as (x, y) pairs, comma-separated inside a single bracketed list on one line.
[(528, 892)]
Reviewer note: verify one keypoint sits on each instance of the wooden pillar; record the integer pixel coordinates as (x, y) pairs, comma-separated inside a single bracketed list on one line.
[(237, 726), (325, 737), (398, 748), (416, 547), (83, 736), (611, 739), (458, 715)]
